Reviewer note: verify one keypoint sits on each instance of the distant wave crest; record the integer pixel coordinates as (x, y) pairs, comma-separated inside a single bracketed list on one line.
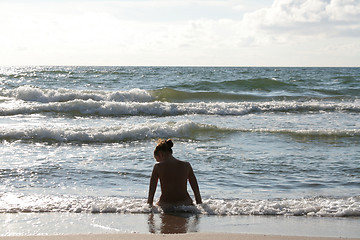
[(34, 94), (105, 108)]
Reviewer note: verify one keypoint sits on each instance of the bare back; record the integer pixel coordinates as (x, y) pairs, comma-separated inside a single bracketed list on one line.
[(173, 175)]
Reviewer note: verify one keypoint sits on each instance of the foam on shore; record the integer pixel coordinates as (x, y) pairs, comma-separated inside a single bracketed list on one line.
[(315, 206)]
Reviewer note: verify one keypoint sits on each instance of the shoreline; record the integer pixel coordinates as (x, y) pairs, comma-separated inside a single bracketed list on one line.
[(60, 225), (191, 236)]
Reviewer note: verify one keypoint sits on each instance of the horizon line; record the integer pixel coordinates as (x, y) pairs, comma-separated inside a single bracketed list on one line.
[(184, 66)]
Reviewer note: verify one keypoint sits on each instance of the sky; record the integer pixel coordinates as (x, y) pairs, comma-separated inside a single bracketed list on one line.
[(306, 33)]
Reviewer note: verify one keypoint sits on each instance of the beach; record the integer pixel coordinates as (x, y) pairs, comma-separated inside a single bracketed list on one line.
[(44, 224), (190, 236)]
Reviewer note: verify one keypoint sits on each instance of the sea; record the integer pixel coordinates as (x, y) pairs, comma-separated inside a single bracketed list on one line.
[(275, 150)]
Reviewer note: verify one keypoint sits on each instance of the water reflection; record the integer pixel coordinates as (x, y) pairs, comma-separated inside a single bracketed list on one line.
[(170, 223)]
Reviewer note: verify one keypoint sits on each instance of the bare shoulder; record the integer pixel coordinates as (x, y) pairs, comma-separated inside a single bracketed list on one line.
[(183, 162), (160, 165), (156, 166), (186, 164)]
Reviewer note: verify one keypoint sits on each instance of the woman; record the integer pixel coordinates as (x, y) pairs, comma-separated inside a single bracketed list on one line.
[(173, 175)]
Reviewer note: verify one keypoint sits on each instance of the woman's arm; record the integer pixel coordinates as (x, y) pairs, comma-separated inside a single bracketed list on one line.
[(194, 185), (153, 184)]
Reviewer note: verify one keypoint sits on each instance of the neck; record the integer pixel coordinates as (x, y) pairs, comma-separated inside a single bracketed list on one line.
[(169, 157)]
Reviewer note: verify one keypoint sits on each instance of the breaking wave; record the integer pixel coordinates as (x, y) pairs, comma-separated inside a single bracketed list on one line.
[(184, 129), (34, 94), (313, 206), (141, 102), (181, 130)]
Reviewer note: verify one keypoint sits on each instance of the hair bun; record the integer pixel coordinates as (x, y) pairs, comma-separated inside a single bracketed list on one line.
[(170, 143), (164, 145)]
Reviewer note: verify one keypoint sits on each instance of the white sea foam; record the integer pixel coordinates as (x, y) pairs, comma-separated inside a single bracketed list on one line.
[(182, 129), (33, 94), (106, 108), (29, 100), (316, 206), (156, 108)]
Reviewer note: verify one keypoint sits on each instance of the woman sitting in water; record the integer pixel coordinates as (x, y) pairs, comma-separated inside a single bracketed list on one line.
[(173, 175)]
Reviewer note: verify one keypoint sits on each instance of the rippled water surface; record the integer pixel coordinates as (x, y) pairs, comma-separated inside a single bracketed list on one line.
[(262, 141)]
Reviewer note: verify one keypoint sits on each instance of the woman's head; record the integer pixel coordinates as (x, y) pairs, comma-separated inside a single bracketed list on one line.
[(163, 146)]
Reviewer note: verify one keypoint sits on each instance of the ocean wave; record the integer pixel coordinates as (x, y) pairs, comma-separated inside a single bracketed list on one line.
[(310, 133), (172, 95), (182, 130), (28, 93), (34, 94), (252, 84), (105, 108), (158, 108), (262, 84), (313, 206)]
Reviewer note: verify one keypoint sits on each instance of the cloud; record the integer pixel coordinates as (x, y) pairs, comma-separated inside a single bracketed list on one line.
[(335, 18), (100, 32), (174, 32)]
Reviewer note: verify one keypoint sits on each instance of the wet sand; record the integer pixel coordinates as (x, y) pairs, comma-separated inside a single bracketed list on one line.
[(190, 236)]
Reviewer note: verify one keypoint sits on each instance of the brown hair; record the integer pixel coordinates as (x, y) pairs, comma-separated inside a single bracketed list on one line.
[(164, 146)]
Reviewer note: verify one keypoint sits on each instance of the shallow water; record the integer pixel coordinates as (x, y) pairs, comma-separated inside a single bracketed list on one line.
[(85, 223)]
